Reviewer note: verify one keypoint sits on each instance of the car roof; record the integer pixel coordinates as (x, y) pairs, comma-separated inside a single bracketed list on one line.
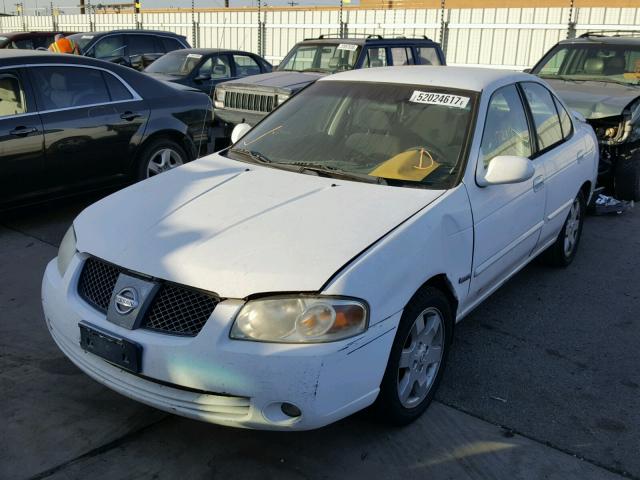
[(208, 51), (609, 38), (152, 32), (17, 35), (369, 40), (463, 78)]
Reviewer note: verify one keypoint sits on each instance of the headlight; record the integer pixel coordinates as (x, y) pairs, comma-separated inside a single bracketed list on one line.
[(300, 319), (218, 99), (67, 250), (282, 97)]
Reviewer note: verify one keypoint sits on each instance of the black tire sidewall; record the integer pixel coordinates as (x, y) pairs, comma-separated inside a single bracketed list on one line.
[(150, 149), (388, 406), (567, 259)]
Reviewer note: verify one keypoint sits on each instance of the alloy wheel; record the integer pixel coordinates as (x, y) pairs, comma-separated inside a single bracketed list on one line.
[(162, 160), (421, 357), (572, 229)]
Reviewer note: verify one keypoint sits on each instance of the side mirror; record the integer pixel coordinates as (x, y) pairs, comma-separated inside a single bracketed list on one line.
[(508, 169), (239, 131), (203, 77)]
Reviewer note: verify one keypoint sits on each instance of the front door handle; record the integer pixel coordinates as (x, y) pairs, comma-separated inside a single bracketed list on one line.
[(581, 156), (128, 116), (23, 131), (538, 183)]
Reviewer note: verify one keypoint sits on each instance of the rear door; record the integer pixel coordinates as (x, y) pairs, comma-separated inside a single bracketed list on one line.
[(21, 139), (92, 122)]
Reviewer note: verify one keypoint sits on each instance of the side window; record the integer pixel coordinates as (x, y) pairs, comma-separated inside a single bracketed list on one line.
[(141, 44), (217, 67), (505, 130), (565, 119), (554, 64), (12, 100), (111, 46), (117, 91), (427, 56), (401, 56), (170, 44), (25, 43), (545, 116), (65, 87), (376, 57), (245, 65)]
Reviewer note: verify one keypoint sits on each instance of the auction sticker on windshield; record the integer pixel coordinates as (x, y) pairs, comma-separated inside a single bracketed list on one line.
[(194, 55), (432, 98), (347, 46)]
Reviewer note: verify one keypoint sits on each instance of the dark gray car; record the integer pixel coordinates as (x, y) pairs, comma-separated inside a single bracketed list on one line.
[(598, 76)]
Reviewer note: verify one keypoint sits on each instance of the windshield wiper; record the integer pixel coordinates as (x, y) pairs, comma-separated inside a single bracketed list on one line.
[(319, 70), (254, 155), (333, 172)]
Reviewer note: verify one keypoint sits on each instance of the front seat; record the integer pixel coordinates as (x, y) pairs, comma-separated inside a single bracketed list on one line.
[(374, 142), (594, 66)]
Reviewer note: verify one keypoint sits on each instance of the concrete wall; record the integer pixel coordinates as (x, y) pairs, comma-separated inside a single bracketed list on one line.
[(500, 37)]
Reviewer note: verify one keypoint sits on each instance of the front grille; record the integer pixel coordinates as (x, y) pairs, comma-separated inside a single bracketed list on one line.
[(97, 281), (179, 310), (175, 309), (252, 102)]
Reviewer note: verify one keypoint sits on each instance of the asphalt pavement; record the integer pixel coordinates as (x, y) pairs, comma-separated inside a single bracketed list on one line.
[(543, 383)]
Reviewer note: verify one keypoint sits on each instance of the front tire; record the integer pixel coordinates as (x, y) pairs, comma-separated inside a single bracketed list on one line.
[(417, 359), (159, 156), (564, 250), (626, 177)]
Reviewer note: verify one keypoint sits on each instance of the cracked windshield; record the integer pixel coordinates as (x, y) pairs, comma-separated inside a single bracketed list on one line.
[(379, 133), (604, 63)]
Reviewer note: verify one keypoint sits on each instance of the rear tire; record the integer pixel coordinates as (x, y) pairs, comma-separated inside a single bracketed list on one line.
[(158, 156), (626, 177), (564, 250), (417, 359)]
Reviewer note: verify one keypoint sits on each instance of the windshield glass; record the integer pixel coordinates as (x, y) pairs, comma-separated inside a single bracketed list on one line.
[(81, 40), (324, 57), (177, 64), (601, 62), (389, 133)]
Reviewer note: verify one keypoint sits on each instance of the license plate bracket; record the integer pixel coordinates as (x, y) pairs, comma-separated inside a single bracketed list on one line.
[(114, 349)]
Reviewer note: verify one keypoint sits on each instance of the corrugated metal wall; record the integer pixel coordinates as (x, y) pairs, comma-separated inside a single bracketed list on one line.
[(501, 37)]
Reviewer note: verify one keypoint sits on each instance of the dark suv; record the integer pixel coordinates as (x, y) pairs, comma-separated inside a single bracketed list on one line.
[(598, 75), (132, 48), (248, 100), (28, 40)]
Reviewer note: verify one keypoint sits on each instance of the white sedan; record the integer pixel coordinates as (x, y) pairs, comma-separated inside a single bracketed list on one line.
[(319, 265)]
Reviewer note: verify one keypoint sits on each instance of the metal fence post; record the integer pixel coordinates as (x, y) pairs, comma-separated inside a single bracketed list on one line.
[(571, 30), (444, 27), (54, 20)]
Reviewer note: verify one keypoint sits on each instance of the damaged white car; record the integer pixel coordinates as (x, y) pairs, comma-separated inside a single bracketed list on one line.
[(319, 265)]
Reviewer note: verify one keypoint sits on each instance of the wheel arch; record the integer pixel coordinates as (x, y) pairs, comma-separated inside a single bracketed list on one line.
[(442, 282), (586, 190)]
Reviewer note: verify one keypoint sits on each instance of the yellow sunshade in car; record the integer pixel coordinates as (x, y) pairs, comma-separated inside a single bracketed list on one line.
[(413, 165)]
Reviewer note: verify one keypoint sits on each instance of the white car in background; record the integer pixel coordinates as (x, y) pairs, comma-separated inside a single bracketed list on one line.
[(319, 266)]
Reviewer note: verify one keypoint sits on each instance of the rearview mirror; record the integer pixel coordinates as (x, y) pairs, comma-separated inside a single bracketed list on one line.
[(506, 169), (239, 131)]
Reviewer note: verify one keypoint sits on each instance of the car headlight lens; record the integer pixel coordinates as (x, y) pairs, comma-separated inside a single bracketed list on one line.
[(218, 99), (67, 250), (300, 319), (282, 97)]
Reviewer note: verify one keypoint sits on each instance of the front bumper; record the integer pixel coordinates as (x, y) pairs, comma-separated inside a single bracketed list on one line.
[(236, 117), (212, 378)]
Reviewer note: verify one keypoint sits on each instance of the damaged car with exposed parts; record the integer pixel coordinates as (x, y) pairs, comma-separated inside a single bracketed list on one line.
[(598, 76)]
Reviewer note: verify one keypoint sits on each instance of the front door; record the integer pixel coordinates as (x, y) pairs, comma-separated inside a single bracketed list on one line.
[(507, 218), (21, 151), (90, 118)]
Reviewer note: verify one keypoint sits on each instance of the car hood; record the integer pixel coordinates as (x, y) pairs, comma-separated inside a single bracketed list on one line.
[(286, 81), (595, 99), (238, 229)]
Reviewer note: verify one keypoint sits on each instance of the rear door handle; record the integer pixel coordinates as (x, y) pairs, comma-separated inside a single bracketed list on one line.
[(580, 156), (23, 131), (128, 116), (538, 183)]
